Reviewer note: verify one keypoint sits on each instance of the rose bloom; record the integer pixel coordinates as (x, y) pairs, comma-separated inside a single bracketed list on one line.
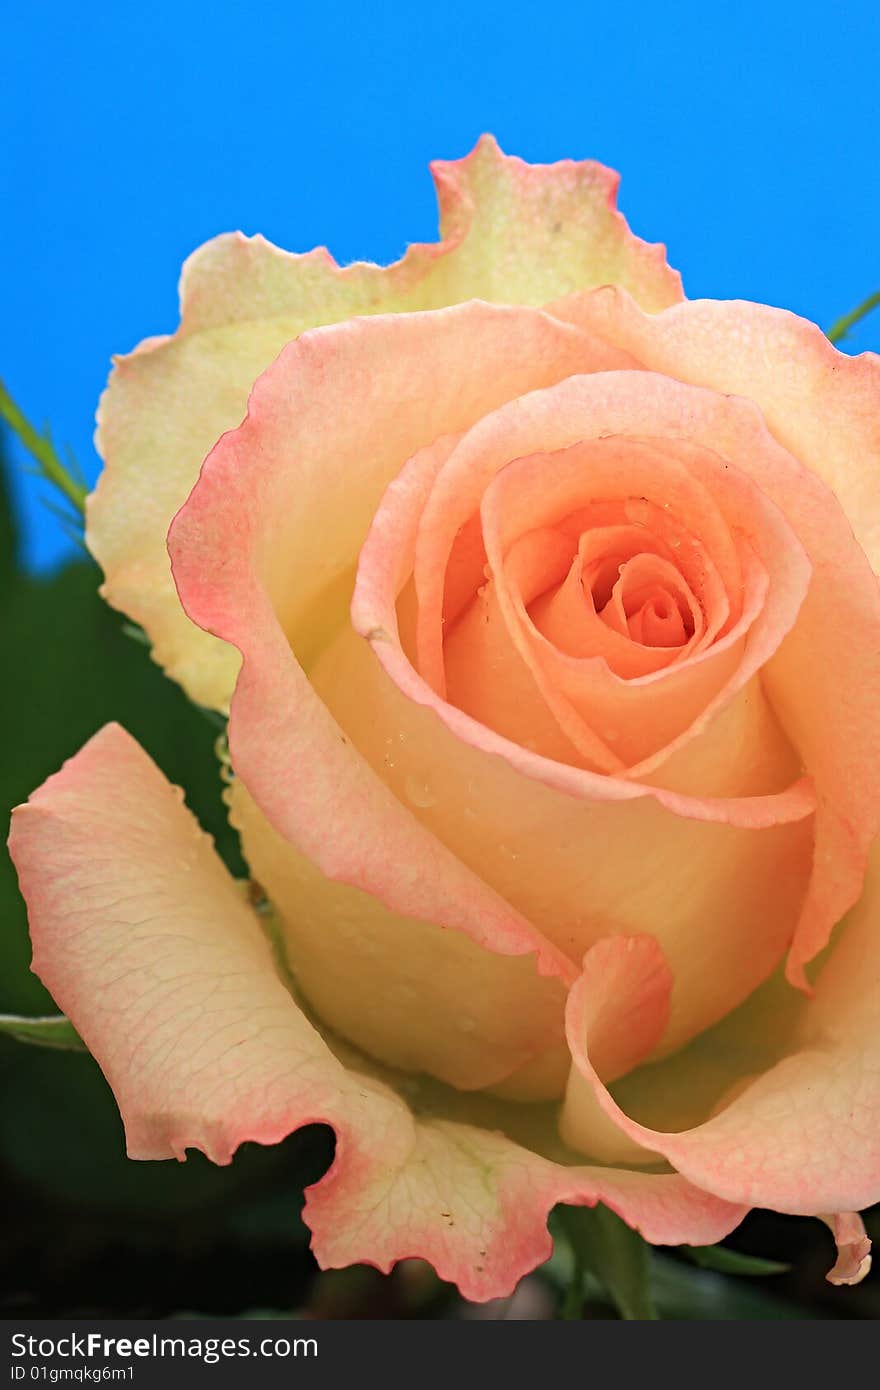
[(542, 605)]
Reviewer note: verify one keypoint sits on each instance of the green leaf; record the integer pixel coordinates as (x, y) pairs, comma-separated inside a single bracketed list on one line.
[(614, 1254), (679, 1291), (53, 1031), (73, 670), (61, 1141), (69, 670), (686, 1294), (731, 1261)]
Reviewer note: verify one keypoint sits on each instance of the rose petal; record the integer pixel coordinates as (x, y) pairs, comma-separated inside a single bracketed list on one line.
[(853, 1248), (487, 678), (272, 523), (617, 1015), (410, 993), (825, 408), (819, 402), (511, 232), (275, 522), (575, 851), (572, 622), (642, 718), (146, 942), (611, 403), (523, 231), (802, 1135)]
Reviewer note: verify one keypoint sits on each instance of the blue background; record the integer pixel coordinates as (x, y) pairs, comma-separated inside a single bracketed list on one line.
[(747, 136)]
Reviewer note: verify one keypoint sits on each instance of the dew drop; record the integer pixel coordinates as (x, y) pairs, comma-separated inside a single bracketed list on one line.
[(419, 793), (638, 511)]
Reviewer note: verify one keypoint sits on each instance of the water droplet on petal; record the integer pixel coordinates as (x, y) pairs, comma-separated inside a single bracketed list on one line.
[(419, 793)]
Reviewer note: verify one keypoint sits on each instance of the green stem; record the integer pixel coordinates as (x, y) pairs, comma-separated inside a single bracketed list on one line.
[(42, 449), (839, 330), (606, 1249), (571, 1307)]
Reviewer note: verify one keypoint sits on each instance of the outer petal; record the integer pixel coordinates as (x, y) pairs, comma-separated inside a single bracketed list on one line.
[(511, 233), (822, 404), (825, 408), (801, 1136), (147, 944), (274, 525), (409, 993), (580, 868), (520, 230), (275, 521)]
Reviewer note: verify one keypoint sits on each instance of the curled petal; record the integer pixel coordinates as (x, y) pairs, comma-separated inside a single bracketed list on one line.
[(853, 1248), (621, 1004), (575, 621), (147, 944), (799, 1134)]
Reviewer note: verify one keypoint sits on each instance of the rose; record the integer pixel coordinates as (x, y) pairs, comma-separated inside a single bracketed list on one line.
[(555, 740)]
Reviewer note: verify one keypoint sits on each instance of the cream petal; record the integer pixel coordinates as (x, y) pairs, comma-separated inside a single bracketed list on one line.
[(511, 232), (149, 946)]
